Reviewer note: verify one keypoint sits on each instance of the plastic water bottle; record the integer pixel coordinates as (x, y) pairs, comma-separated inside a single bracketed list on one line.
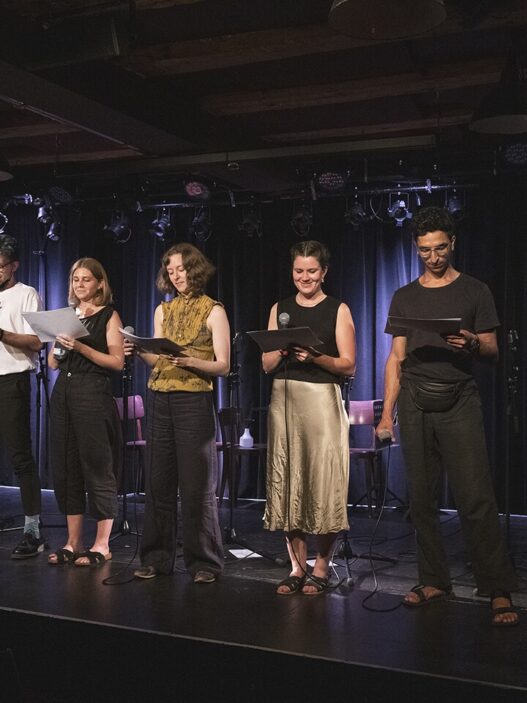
[(246, 440)]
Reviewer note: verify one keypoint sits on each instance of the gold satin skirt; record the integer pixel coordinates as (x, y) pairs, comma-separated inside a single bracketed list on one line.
[(307, 458)]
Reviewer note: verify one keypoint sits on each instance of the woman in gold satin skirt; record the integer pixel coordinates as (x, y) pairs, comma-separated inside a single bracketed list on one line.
[(308, 450)]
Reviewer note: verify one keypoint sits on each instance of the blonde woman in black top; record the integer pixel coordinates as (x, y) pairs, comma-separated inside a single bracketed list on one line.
[(85, 429)]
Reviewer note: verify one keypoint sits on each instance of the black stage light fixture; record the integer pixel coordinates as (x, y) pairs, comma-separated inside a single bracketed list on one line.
[(200, 227), (55, 232), (251, 224), (356, 215), (515, 153), (398, 209), (301, 222), (455, 205), (45, 210), (161, 225), (119, 228)]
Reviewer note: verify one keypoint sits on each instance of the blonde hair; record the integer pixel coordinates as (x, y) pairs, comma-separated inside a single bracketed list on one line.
[(104, 294)]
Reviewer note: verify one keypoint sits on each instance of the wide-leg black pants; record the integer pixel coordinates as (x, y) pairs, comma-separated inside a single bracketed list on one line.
[(455, 440), (15, 430), (86, 445), (181, 456)]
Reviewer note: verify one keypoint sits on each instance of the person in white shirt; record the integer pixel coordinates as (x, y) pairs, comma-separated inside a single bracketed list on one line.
[(18, 350)]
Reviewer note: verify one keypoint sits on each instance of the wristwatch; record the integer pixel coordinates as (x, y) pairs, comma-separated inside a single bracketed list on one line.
[(474, 345)]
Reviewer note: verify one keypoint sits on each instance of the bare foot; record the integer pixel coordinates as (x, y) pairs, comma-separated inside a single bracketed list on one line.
[(423, 594)]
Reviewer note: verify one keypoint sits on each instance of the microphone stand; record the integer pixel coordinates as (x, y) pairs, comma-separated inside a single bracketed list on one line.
[(231, 536), (124, 528)]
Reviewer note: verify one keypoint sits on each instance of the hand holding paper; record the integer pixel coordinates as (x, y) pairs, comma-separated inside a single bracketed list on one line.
[(50, 324)]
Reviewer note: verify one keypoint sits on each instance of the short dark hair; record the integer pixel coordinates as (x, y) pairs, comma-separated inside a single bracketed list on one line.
[(310, 247), (199, 269), (9, 247), (433, 219)]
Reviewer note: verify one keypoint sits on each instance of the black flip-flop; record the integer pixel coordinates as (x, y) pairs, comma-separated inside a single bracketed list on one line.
[(503, 610)]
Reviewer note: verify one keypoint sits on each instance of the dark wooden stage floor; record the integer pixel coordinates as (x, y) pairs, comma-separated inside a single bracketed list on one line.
[(67, 636)]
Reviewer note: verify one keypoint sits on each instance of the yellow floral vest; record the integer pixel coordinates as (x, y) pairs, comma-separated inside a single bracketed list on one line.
[(185, 322)]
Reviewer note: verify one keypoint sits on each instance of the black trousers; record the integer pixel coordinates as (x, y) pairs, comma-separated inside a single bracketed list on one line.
[(86, 445), (15, 430), (181, 455), (455, 440)]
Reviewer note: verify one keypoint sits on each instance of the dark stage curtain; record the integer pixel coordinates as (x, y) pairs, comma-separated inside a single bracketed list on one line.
[(367, 265)]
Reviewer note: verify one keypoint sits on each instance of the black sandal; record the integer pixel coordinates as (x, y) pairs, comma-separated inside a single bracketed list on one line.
[(422, 599), (293, 583), (503, 610), (63, 556), (320, 584)]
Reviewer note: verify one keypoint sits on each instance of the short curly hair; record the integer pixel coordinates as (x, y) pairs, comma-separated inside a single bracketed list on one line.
[(199, 269), (433, 219), (9, 247)]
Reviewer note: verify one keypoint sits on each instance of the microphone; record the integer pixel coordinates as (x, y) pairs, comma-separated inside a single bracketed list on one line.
[(283, 320), (128, 329), (59, 352), (384, 436)]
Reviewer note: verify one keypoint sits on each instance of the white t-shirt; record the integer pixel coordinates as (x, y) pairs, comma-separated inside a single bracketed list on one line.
[(13, 302)]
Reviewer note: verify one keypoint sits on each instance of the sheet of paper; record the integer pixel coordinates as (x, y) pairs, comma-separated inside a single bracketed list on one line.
[(244, 554), (47, 324), (154, 345), (441, 325)]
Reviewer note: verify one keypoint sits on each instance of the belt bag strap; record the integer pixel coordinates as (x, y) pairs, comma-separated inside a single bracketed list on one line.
[(432, 397)]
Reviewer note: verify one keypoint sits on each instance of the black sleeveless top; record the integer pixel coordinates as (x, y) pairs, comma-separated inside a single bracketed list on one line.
[(74, 362), (322, 319)]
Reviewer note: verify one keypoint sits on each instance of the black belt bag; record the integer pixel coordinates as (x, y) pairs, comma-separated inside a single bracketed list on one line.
[(432, 397)]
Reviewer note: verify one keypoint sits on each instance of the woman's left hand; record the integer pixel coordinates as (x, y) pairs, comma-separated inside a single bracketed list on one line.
[(303, 355), (182, 361)]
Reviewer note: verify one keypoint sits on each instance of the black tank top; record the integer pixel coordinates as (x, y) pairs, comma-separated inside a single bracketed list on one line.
[(96, 325), (322, 319)]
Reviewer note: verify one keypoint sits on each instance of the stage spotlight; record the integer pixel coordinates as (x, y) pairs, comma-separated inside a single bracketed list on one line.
[(161, 225), (54, 232), (301, 222), (3, 222), (456, 207), (119, 228), (515, 153), (197, 190), (45, 213), (356, 216), (251, 224), (200, 227), (399, 211), (331, 182)]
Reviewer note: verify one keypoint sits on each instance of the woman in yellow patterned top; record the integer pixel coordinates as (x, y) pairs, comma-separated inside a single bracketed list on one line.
[(181, 445)]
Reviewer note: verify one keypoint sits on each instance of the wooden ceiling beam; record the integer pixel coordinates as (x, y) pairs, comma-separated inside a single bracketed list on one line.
[(213, 53), (381, 129), (440, 78)]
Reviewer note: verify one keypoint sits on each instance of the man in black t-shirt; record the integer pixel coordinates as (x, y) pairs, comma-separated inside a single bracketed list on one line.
[(429, 376)]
